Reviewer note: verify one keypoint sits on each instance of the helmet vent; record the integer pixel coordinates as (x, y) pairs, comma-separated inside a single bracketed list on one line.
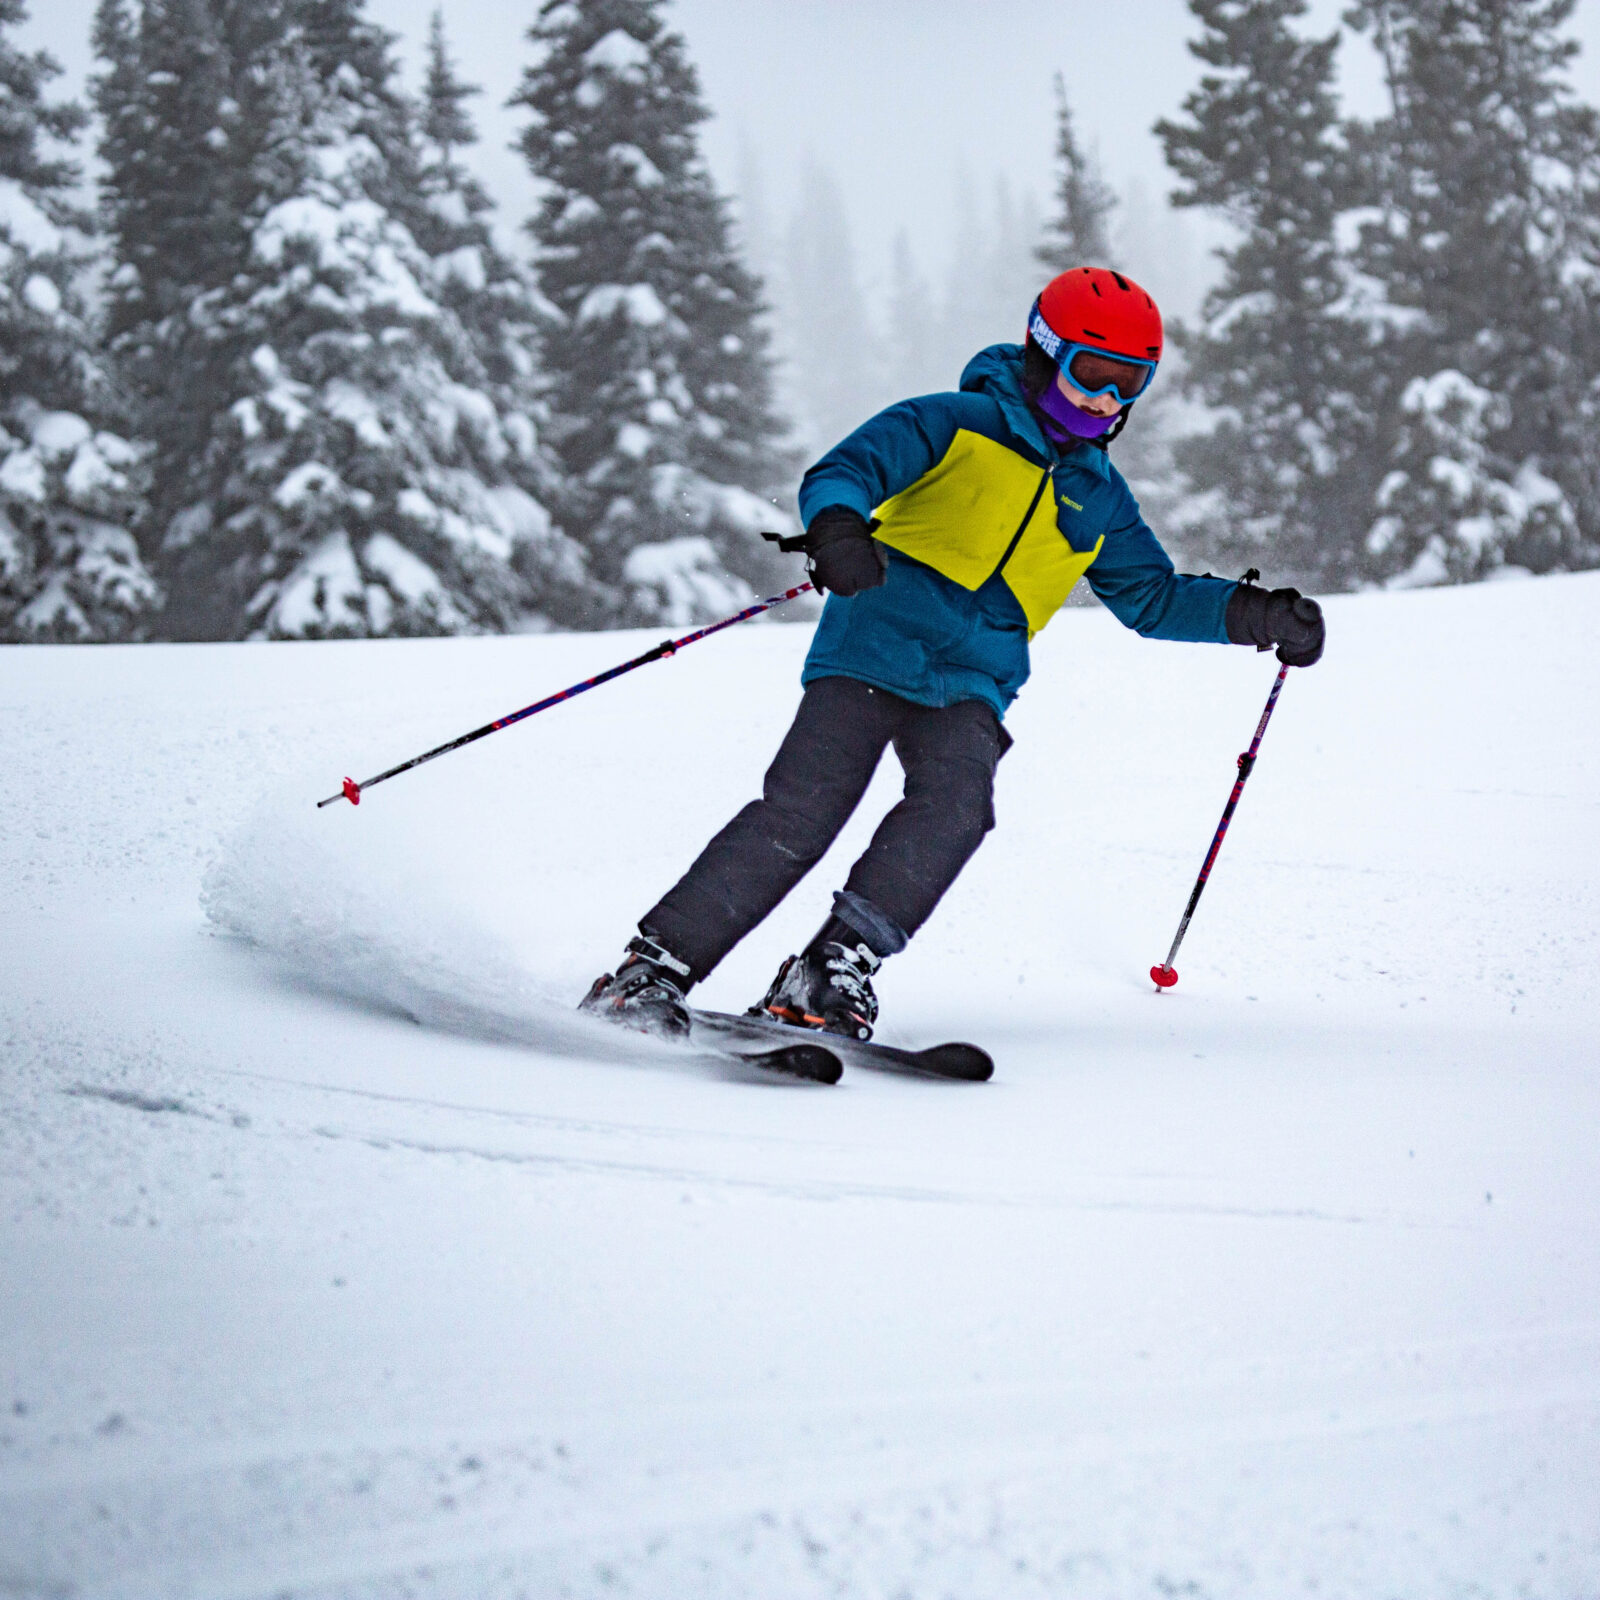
[(1112, 311)]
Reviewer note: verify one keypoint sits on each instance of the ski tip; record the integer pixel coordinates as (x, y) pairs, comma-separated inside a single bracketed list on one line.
[(1164, 977), (352, 791), (966, 1062)]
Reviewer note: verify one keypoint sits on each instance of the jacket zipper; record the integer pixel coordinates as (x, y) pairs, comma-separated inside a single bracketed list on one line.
[(1027, 517)]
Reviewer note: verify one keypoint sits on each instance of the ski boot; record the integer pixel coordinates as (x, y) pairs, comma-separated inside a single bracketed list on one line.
[(827, 986), (646, 992)]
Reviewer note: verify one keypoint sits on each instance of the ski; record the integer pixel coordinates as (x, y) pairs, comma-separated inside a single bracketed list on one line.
[(800, 1058), (965, 1063)]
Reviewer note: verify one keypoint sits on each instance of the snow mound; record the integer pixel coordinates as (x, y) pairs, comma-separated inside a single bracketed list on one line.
[(347, 915)]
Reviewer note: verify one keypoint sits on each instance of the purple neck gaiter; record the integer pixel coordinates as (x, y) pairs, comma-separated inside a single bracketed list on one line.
[(1064, 421)]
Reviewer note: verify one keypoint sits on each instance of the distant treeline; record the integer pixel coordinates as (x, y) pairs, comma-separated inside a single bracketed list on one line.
[(282, 380), (285, 383), (1402, 359)]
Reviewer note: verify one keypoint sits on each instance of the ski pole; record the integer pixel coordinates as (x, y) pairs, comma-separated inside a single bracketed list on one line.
[(1164, 976), (352, 791)]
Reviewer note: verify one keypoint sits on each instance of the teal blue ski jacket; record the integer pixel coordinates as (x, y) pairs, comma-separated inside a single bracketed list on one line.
[(988, 525)]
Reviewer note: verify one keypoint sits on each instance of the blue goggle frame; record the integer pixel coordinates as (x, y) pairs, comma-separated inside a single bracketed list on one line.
[(1063, 354)]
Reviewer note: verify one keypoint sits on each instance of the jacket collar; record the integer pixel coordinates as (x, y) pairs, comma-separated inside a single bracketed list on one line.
[(997, 372)]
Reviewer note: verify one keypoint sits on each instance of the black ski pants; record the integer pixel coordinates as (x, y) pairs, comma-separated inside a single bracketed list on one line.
[(815, 782)]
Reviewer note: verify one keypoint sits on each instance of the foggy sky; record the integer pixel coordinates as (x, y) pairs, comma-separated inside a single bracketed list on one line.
[(898, 98)]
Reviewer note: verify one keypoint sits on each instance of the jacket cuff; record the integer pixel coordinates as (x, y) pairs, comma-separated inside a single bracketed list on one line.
[(818, 494)]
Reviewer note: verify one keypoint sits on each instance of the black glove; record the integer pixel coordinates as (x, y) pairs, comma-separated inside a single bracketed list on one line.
[(1282, 617), (843, 555)]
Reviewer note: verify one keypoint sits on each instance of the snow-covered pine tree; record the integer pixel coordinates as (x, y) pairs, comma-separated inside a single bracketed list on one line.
[(1446, 509), (1079, 234), (503, 313), (69, 480), (763, 245), (184, 102), (446, 126), (353, 58), (992, 276), (1283, 355), (914, 361), (661, 383), (837, 355), (333, 456), (173, 144), (1485, 180), (1014, 275)]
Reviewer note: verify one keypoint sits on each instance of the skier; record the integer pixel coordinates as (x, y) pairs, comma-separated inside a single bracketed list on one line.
[(946, 531)]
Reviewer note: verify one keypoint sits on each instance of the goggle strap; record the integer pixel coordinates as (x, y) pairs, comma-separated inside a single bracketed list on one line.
[(1044, 335), (1055, 346)]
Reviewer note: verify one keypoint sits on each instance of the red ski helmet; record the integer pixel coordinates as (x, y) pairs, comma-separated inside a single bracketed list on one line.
[(1094, 312)]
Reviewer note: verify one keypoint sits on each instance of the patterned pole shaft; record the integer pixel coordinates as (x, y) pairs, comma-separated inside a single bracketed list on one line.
[(352, 791), (1163, 975)]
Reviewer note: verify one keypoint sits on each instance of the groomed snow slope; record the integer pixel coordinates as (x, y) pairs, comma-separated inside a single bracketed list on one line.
[(337, 1258)]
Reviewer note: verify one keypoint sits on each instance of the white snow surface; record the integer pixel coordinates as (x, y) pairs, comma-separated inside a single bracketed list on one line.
[(340, 1257)]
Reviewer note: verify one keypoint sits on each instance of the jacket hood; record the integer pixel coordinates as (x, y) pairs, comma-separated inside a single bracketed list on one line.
[(997, 372)]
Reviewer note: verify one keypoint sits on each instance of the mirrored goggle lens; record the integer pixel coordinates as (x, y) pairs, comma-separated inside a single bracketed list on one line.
[(1095, 373)]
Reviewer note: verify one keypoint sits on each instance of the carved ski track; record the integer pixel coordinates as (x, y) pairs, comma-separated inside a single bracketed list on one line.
[(538, 1119), (813, 1188), (854, 1189)]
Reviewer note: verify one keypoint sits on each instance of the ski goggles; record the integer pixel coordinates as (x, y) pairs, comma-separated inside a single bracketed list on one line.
[(1092, 370)]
